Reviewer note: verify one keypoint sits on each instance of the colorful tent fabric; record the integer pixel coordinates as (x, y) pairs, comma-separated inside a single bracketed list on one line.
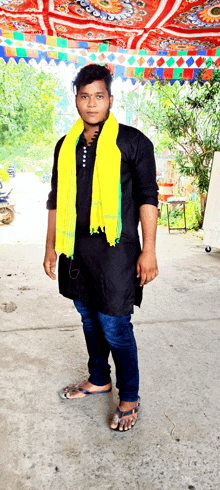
[(159, 25)]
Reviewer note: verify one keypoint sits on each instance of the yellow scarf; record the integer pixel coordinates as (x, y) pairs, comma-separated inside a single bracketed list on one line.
[(106, 187)]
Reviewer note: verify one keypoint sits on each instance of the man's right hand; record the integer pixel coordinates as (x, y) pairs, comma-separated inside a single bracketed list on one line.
[(50, 263)]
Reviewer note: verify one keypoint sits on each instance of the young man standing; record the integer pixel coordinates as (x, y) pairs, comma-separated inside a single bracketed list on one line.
[(103, 182)]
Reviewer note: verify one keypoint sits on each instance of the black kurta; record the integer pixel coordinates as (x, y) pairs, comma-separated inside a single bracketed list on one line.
[(99, 274)]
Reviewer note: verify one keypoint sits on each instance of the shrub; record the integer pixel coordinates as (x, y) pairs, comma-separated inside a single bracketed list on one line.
[(39, 173)]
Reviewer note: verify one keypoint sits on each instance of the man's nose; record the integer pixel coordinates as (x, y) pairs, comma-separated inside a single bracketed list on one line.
[(92, 101)]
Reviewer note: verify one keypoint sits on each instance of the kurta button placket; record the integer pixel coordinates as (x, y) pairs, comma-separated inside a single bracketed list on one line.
[(84, 156)]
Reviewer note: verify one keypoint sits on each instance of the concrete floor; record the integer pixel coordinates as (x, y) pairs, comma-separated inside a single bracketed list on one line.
[(55, 445)]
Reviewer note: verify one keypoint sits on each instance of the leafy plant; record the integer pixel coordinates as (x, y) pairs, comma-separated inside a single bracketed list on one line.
[(183, 119), (28, 99)]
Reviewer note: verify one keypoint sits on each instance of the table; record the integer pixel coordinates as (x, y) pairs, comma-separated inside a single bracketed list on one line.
[(174, 201)]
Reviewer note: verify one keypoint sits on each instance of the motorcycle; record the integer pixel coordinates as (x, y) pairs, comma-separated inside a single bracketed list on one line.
[(46, 178), (7, 212)]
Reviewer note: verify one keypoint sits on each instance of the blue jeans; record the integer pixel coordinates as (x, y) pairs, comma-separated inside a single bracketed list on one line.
[(105, 333)]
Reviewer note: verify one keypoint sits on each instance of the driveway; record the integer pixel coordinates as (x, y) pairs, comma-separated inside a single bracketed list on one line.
[(49, 444)]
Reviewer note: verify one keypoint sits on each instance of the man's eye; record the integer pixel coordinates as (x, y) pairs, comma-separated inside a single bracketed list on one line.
[(100, 96), (84, 97)]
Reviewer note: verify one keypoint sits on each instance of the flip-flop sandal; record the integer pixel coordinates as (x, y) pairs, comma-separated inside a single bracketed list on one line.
[(62, 393), (124, 414)]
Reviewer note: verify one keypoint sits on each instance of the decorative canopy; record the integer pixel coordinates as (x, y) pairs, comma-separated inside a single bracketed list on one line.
[(159, 25), (171, 39)]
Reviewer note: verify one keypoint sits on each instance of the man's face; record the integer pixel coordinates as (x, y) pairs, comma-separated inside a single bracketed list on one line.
[(93, 102)]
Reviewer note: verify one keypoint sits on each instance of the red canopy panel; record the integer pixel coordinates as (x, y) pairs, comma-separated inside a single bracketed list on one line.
[(159, 25)]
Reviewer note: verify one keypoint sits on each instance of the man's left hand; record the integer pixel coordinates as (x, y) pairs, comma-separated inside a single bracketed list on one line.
[(147, 268)]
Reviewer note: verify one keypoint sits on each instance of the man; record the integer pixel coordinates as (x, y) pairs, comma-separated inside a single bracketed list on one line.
[(106, 182)]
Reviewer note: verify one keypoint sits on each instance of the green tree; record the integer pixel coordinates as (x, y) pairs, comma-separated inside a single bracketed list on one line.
[(28, 99), (185, 120)]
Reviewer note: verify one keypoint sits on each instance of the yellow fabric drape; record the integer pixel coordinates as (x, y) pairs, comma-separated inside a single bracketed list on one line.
[(106, 187)]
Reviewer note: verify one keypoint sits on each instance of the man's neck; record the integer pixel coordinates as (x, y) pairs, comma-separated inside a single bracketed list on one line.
[(90, 132), (90, 128)]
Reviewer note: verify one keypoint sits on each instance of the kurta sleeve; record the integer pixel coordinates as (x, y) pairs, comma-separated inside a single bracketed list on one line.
[(52, 197), (144, 173)]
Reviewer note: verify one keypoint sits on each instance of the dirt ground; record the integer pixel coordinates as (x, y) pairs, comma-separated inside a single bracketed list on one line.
[(49, 444)]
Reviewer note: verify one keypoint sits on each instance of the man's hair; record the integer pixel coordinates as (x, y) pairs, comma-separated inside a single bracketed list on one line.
[(90, 73)]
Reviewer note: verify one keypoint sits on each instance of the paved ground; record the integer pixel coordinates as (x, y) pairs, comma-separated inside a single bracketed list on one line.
[(49, 444)]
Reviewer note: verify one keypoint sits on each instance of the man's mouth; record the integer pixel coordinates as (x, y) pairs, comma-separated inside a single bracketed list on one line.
[(92, 113)]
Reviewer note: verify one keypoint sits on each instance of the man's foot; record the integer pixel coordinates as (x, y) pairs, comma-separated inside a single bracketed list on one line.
[(120, 420), (83, 389)]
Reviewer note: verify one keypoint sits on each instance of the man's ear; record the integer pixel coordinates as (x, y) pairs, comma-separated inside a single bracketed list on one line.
[(111, 101)]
